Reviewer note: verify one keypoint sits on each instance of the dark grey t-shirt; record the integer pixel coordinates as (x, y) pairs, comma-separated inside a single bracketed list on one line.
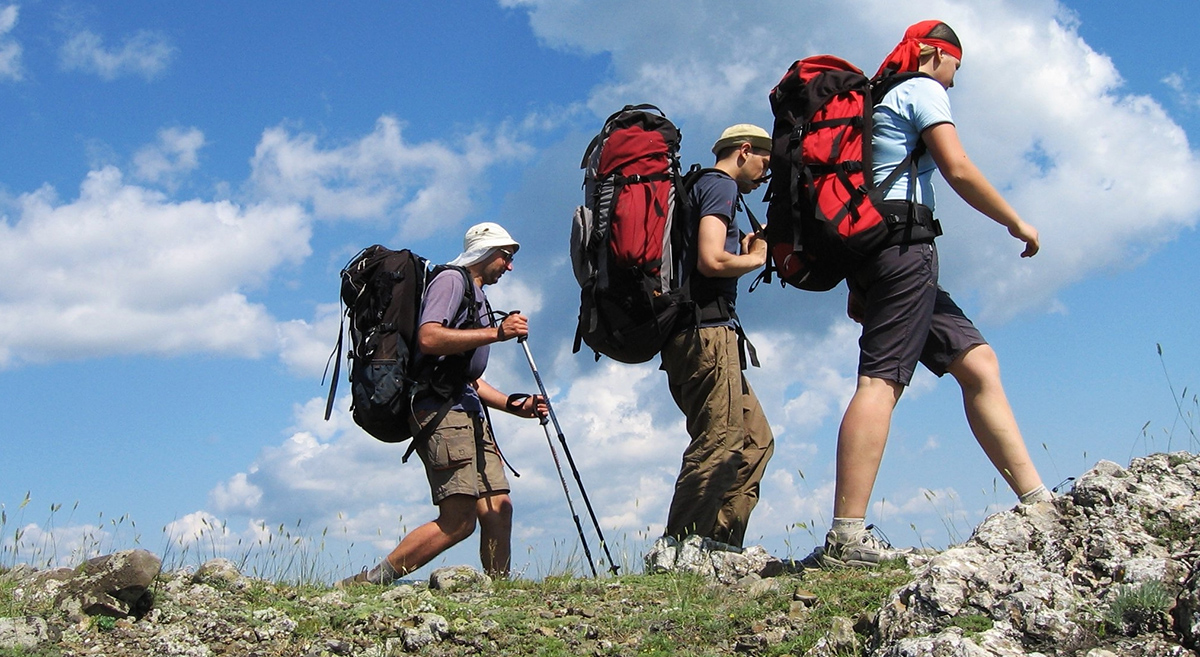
[(713, 193), (444, 304)]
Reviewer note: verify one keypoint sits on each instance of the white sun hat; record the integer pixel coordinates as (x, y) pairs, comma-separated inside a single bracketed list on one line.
[(479, 242)]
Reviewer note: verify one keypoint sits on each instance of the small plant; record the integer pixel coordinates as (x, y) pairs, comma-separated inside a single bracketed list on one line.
[(1138, 609), (1170, 530), (972, 624), (104, 623)]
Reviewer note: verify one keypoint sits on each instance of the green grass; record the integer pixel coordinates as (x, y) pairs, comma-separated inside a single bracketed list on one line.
[(666, 614), (972, 624)]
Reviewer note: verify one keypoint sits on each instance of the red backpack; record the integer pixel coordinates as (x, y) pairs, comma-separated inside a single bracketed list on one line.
[(822, 218), (626, 235)]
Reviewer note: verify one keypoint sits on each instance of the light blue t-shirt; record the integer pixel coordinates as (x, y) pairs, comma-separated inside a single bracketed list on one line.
[(906, 111)]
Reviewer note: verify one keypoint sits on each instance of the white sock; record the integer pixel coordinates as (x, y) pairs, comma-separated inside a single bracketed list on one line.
[(1039, 494), (847, 527)]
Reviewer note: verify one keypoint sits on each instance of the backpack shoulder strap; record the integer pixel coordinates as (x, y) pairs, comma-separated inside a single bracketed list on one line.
[(695, 172), (880, 86), (469, 300)]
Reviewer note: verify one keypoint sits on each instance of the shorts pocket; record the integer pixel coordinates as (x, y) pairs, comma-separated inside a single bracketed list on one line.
[(451, 446)]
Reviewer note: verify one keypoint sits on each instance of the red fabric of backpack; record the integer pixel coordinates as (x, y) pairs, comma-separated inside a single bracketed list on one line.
[(822, 218), (638, 159), (625, 236)]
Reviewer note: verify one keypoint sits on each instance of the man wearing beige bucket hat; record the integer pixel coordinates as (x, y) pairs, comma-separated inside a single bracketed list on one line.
[(464, 467), (731, 441)]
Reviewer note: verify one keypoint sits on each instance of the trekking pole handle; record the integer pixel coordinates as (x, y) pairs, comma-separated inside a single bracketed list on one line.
[(520, 338)]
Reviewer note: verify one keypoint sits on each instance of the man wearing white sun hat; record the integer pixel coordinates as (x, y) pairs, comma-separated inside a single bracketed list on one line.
[(464, 467)]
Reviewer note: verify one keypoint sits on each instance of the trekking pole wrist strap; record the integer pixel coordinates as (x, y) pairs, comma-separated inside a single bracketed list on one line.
[(515, 401)]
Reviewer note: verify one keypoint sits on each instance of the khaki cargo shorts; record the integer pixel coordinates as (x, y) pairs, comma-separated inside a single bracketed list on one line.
[(461, 458)]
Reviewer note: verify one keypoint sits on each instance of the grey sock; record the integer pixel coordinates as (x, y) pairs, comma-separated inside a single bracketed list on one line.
[(383, 573)]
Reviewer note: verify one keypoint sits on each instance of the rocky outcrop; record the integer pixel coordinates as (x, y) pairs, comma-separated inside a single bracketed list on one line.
[(724, 563), (1109, 566)]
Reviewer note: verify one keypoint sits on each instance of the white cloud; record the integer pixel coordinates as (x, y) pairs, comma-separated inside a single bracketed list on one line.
[(198, 528), (517, 292), (1180, 83), (10, 50), (145, 53), (122, 269), (175, 153), (305, 347), (237, 494), (1106, 176), (428, 186), (135, 271), (335, 477)]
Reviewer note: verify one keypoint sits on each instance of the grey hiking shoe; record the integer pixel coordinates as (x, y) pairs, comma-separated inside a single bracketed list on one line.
[(862, 549)]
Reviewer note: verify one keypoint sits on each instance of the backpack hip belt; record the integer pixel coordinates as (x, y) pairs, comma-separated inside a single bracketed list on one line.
[(908, 222)]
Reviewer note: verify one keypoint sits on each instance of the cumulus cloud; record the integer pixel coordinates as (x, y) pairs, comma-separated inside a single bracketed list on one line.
[(174, 154), (1180, 83), (1104, 174), (335, 476), (145, 53), (332, 474), (427, 186), (10, 50), (305, 346), (63, 546), (123, 269), (136, 271)]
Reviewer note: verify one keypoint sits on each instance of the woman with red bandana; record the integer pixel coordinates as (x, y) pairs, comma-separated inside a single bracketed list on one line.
[(906, 317)]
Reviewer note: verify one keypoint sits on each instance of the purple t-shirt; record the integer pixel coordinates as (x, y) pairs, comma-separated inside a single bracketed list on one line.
[(443, 304)]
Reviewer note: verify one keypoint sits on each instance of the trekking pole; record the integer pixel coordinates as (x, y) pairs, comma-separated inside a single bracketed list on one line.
[(612, 566), (587, 553)]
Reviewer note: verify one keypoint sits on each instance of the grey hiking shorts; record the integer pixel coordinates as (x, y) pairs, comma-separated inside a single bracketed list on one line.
[(907, 318)]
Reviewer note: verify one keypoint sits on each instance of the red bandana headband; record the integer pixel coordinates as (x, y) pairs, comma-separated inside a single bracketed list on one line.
[(904, 57)]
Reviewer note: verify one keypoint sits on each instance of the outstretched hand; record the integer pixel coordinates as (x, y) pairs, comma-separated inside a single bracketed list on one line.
[(1027, 234)]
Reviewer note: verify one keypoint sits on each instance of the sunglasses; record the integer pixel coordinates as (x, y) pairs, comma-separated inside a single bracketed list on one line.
[(506, 254)]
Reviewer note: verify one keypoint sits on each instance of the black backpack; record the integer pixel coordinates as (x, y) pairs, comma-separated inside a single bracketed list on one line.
[(626, 236), (382, 291)]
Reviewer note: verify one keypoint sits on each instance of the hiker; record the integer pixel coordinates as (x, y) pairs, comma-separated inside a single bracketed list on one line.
[(905, 316), (731, 441), (464, 467)]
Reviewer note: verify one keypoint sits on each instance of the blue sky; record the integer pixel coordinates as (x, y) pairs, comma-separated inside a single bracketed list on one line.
[(180, 185)]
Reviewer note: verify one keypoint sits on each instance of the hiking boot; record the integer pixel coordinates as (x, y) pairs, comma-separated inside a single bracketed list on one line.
[(352, 581), (863, 549)]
